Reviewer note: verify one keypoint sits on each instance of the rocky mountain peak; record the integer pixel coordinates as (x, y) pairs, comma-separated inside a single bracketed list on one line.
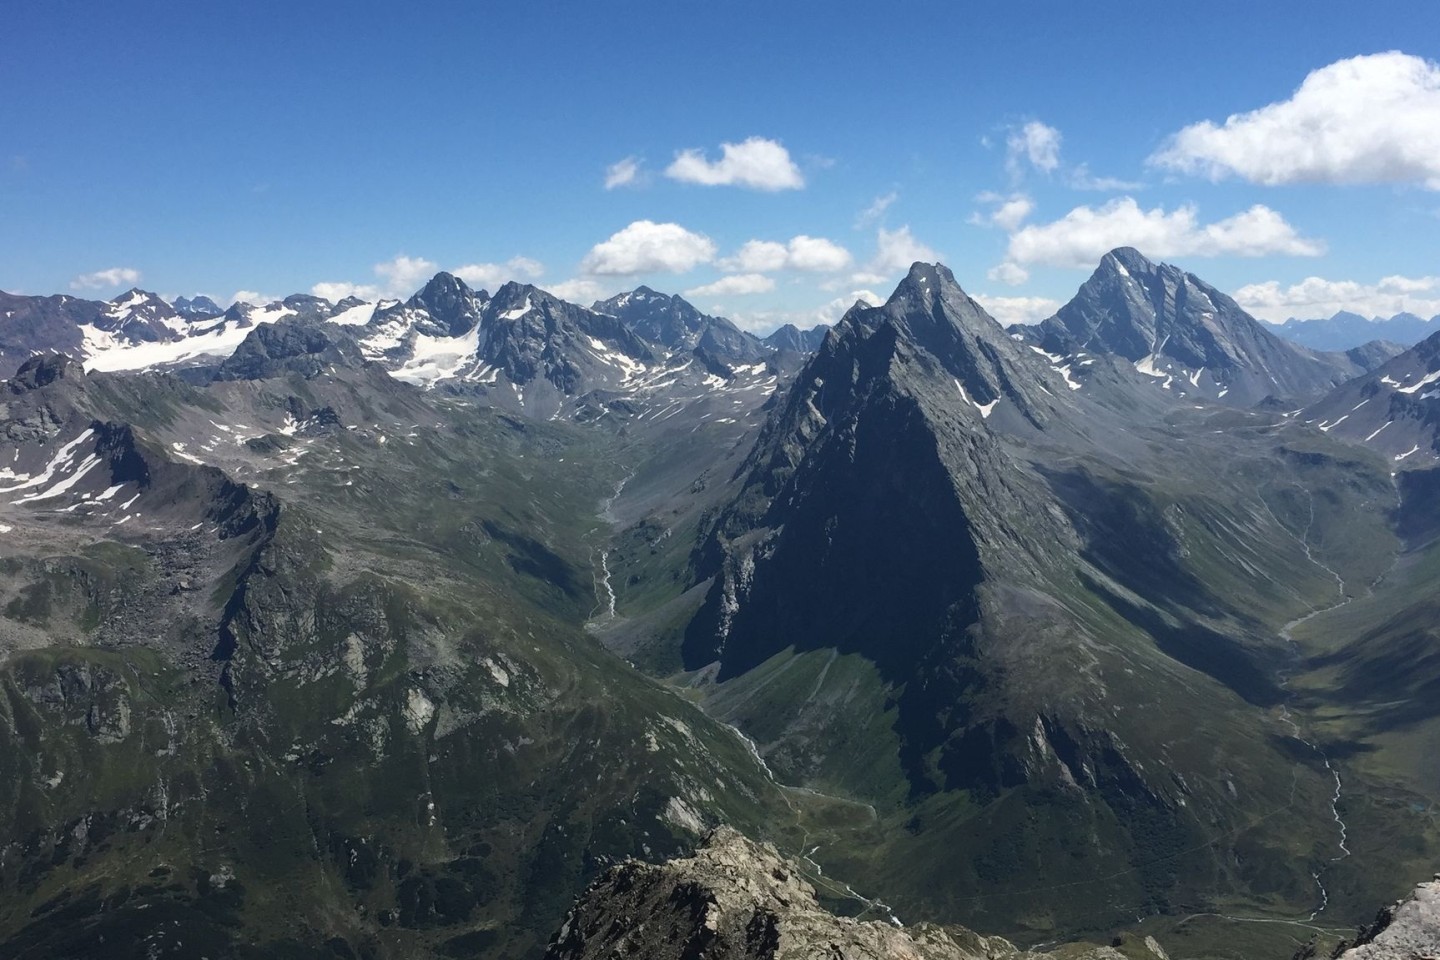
[(450, 302), (674, 323), (44, 369), (305, 304), (740, 900), (302, 345), (791, 337), (1190, 337), (198, 307)]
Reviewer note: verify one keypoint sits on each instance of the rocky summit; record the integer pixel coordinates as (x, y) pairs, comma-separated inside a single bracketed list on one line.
[(739, 900)]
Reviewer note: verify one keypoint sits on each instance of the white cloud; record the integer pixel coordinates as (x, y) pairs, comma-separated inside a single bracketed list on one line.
[(758, 256), (896, 250), (1010, 274), (1081, 178), (859, 277), (583, 290), (648, 247), (836, 308), (764, 321), (1369, 119), (101, 279), (1010, 310), (737, 284), (876, 211), (623, 173), (1085, 234), (335, 291), (817, 255), (756, 163), (808, 254), (1316, 297), (253, 297), (1008, 213), (404, 275), (1036, 143), (491, 275)]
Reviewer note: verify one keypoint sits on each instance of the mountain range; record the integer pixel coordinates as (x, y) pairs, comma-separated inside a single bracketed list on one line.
[(382, 629), (1346, 330)]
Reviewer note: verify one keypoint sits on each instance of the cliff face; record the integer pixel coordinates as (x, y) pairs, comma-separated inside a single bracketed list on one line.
[(1409, 930), (739, 900)]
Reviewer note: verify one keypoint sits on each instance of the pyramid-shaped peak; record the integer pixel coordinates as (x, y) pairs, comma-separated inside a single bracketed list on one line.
[(135, 296), (926, 273), (1127, 257), (444, 283)]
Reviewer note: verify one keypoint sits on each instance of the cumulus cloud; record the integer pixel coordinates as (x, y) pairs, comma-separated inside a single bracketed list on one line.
[(648, 247), (758, 256), (335, 291), (1318, 297), (765, 321), (623, 173), (738, 284), (102, 279), (876, 211), (402, 276), (1007, 212), (896, 250), (1035, 143), (1010, 274), (396, 278), (1085, 234), (808, 254), (405, 273), (1081, 178), (756, 163), (1369, 119), (253, 298), (1010, 310), (835, 309), (817, 255), (583, 290), (490, 275)]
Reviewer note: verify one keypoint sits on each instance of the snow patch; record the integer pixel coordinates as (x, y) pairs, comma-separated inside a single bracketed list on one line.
[(1423, 381), (518, 312)]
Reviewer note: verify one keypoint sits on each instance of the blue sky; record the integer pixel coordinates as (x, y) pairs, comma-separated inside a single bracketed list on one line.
[(273, 147)]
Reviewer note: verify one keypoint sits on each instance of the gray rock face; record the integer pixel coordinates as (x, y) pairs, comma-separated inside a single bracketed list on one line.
[(791, 337), (198, 307), (674, 323), (739, 900), (1409, 930), (1193, 339), (1394, 410), (30, 325), (293, 345)]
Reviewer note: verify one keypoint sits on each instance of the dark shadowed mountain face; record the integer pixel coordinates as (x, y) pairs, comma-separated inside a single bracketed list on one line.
[(791, 337), (948, 554), (1189, 337)]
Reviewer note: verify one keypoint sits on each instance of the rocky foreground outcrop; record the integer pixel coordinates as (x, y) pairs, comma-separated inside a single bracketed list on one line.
[(1409, 930), (739, 900)]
